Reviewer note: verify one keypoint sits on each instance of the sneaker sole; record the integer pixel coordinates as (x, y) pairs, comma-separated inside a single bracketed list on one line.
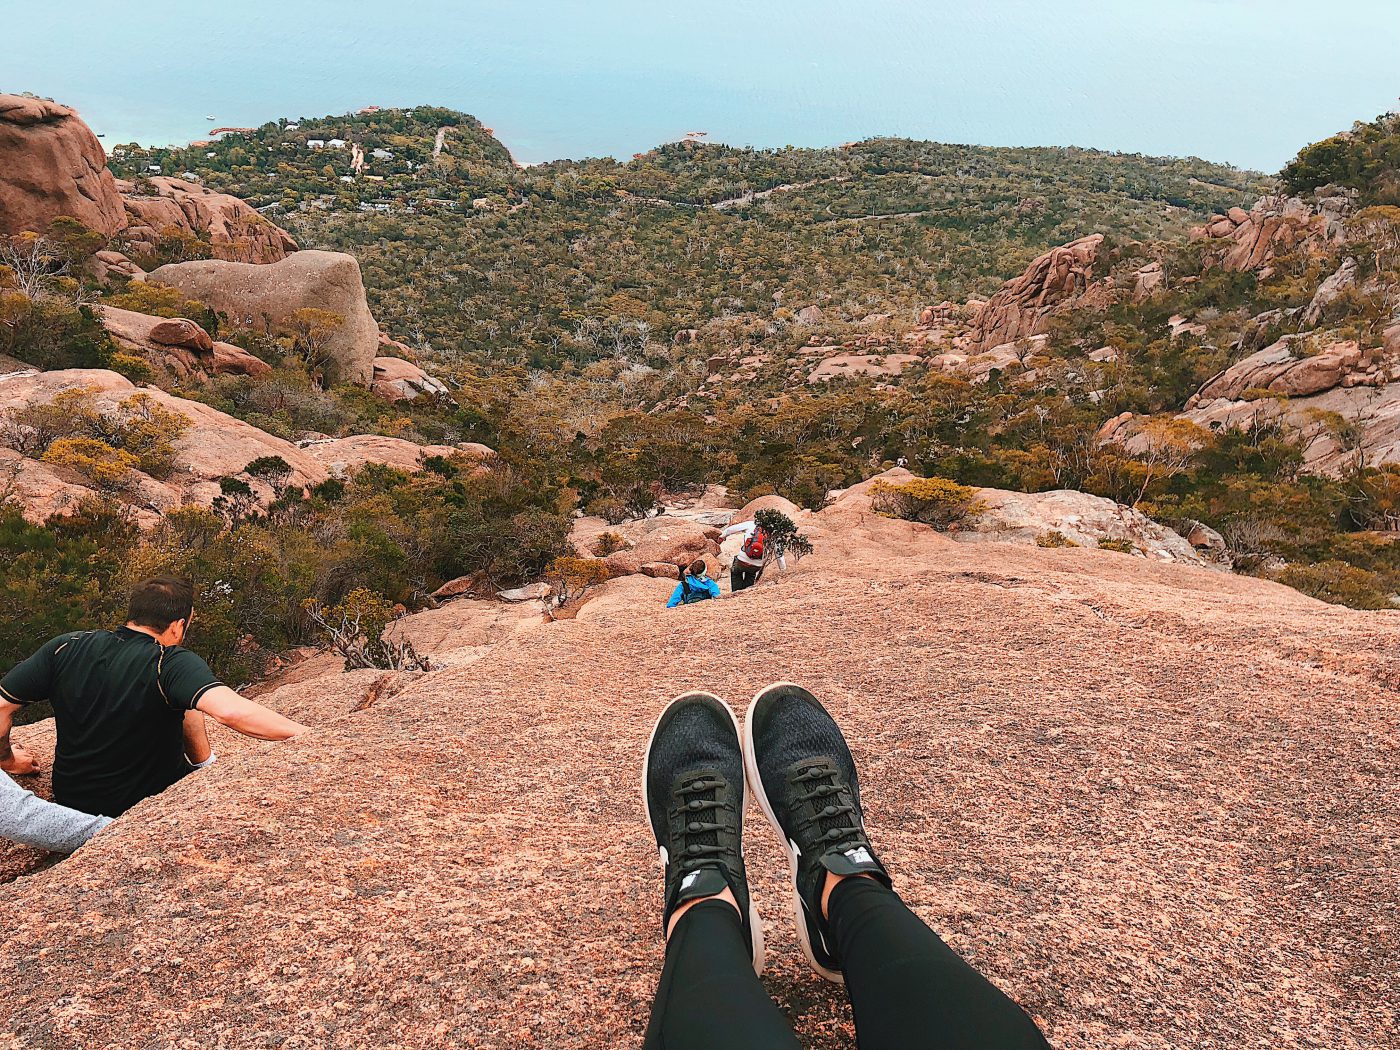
[(755, 921), (756, 789)]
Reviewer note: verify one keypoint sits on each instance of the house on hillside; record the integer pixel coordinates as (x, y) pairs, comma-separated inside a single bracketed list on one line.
[(382, 154), (315, 143), (335, 144)]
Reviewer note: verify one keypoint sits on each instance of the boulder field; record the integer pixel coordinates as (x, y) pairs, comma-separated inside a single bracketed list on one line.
[(1156, 804)]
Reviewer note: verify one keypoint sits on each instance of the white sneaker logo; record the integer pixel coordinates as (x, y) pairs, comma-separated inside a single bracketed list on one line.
[(665, 857), (796, 851), (859, 855), (689, 880)]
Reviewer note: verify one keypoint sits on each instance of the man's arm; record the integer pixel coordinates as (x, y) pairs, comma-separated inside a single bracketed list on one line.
[(197, 748), (732, 529), (246, 716), (13, 758)]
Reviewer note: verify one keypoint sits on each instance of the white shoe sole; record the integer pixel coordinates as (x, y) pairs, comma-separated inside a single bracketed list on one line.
[(755, 922), (799, 913)]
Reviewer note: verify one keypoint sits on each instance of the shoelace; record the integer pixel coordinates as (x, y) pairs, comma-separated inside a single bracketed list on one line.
[(828, 820), (690, 825)]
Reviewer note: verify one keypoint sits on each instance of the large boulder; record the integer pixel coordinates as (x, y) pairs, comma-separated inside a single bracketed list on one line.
[(1067, 516), (179, 344), (52, 165), (398, 380), (345, 455), (657, 540), (235, 231), (265, 298), (1024, 305), (1278, 369)]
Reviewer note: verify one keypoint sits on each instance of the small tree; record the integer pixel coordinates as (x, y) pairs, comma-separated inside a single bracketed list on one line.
[(1169, 447), (274, 470), (570, 579), (312, 332), (355, 628), (782, 537), (236, 500)]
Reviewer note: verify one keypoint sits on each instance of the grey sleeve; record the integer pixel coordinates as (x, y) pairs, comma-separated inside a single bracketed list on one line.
[(33, 821)]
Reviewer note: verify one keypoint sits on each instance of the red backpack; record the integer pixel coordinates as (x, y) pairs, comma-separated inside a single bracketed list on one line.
[(753, 546)]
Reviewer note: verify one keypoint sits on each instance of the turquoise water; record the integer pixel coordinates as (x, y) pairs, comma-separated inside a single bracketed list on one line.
[(1241, 81)]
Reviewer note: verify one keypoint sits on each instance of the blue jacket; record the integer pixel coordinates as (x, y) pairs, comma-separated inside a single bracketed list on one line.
[(700, 588)]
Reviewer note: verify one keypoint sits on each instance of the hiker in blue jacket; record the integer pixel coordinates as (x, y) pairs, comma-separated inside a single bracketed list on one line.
[(695, 585)]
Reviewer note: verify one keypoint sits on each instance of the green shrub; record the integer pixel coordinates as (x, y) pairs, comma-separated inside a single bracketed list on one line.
[(1121, 546), (939, 502)]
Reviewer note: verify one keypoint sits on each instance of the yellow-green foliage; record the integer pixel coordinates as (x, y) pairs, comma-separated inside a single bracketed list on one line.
[(156, 299), (106, 467), (132, 367), (1054, 538), (139, 427), (608, 543), (570, 578), (1121, 546), (938, 502)]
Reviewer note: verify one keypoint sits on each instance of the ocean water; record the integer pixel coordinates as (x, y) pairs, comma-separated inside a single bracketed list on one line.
[(1241, 81)]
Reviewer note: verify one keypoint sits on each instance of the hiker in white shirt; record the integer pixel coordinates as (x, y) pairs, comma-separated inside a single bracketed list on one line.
[(747, 565)]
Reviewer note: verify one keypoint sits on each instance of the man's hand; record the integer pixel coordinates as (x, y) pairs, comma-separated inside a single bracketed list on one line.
[(19, 762)]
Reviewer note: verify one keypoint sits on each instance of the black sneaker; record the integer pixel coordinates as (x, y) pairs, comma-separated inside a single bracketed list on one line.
[(802, 773), (693, 785)]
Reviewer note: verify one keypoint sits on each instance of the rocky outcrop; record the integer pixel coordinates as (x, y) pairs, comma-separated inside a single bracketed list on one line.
[(1024, 305), (661, 541), (398, 380), (1250, 240), (52, 165), (1329, 291), (234, 230), (1147, 280), (179, 344), (215, 445), (265, 298), (1074, 517), (1277, 369), (847, 365), (345, 455), (1112, 756)]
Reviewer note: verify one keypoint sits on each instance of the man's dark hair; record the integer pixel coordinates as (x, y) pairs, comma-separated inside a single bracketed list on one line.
[(697, 567), (160, 601)]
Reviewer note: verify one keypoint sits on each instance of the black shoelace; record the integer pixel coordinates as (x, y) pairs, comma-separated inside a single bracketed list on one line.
[(832, 821), (699, 796)]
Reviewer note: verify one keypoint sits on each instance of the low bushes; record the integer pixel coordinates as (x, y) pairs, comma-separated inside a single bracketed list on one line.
[(938, 502)]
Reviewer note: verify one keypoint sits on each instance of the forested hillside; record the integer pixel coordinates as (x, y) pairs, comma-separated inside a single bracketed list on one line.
[(576, 261)]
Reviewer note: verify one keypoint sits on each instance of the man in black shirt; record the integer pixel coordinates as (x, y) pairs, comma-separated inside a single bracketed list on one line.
[(129, 705)]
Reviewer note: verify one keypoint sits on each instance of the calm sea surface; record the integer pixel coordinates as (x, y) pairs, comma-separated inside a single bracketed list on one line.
[(1242, 81)]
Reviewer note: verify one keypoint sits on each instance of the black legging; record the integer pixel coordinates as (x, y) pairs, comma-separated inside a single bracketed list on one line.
[(908, 989), (742, 575)]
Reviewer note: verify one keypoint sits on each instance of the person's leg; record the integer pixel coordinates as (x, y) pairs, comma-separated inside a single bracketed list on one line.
[(748, 574), (737, 579), (908, 989), (709, 996)]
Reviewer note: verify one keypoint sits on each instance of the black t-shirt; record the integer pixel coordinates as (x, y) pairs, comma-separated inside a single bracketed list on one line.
[(119, 700)]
